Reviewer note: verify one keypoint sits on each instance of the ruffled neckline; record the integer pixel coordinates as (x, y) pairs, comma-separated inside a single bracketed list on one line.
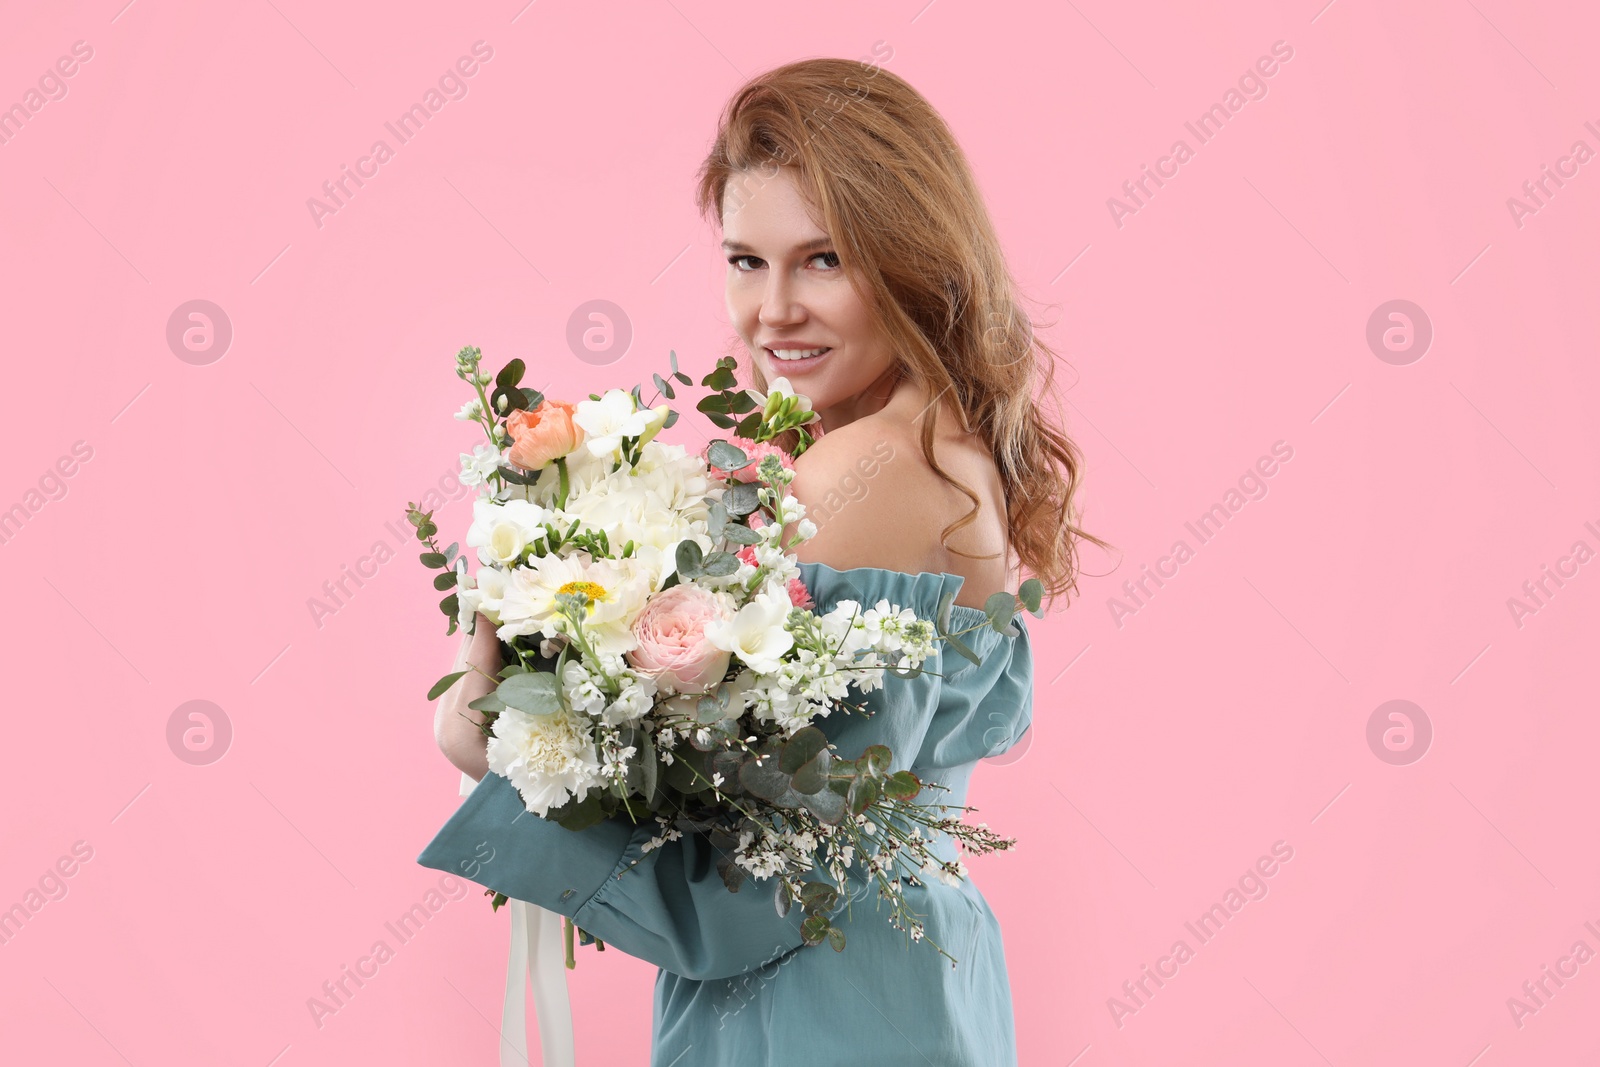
[(961, 615)]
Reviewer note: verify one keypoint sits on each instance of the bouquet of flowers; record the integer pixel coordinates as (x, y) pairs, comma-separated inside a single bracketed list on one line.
[(662, 660)]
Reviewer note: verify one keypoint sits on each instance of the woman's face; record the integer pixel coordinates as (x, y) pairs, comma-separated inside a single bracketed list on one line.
[(788, 294)]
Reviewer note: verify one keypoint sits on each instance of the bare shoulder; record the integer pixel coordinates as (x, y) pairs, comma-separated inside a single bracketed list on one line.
[(877, 502), (859, 483)]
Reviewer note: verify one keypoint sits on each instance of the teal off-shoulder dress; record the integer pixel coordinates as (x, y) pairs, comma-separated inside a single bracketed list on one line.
[(737, 985)]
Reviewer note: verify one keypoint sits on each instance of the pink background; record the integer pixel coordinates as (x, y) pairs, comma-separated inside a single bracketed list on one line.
[(1173, 746)]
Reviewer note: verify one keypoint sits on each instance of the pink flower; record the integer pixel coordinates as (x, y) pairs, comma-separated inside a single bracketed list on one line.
[(799, 595), (756, 450), (672, 645)]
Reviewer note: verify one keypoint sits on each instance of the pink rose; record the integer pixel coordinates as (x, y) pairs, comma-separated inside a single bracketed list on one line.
[(756, 450), (672, 645)]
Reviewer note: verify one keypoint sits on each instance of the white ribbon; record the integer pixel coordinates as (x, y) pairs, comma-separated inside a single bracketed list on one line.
[(537, 950)]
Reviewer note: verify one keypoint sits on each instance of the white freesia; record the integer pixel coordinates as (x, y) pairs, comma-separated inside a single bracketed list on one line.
[(549, 758), (476, 468), (756, 633), (608, 420), (781, 387), (501, 532)]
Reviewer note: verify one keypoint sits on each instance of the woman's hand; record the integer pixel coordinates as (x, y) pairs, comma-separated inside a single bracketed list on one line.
[(457, 728)]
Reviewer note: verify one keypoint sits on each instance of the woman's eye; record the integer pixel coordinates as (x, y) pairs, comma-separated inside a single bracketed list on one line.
[(737, 261)]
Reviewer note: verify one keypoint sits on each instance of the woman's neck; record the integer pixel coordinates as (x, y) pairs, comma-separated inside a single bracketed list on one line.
[(871, 400)]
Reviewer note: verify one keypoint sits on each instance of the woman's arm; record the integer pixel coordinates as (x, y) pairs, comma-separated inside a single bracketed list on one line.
[(456, 727)]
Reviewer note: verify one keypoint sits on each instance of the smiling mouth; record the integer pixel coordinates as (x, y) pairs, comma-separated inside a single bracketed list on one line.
[(789, 356)]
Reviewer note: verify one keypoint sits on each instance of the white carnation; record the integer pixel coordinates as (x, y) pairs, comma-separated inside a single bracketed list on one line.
[(549, 758)]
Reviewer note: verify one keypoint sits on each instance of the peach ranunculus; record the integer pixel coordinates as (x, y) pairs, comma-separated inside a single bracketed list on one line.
[(672, 646), (543, 435), (756, 451)]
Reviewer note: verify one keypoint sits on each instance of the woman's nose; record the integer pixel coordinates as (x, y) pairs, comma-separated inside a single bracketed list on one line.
[(779, 306)]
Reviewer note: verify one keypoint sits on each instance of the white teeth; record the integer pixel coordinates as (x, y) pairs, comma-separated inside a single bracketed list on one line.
[(796, 353)]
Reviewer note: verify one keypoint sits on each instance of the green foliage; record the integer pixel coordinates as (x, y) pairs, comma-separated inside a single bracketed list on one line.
[(444, 684)]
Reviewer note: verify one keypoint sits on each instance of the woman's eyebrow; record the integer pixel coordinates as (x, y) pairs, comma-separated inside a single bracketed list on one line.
[(818, 242)]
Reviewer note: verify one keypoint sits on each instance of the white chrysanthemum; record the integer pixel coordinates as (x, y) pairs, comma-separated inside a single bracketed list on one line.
[(501, 532), (476, 468), (617, 591), (549, 758)]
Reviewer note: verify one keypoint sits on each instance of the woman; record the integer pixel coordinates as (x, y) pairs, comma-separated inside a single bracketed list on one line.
[(862, 267)]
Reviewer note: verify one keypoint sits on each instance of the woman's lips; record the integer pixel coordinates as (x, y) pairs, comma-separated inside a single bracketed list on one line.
[(788, 366)]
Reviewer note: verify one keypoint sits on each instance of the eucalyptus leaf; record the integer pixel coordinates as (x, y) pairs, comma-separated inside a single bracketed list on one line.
[(763, 778), (688, 559), (782, 899), (739, 534), (815, 929), (812, 776), (1031, 594), (827, 804), (488, 702), (961, 647), (727, 457), (444, 683), (875, 761), (733, 875), (801, 748), (863, 794), (726, 761), (902, 785), (742, 499), (535, 692), (719, 564), (1000, 607)]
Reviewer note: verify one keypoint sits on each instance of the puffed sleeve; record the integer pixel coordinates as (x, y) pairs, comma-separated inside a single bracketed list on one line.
[(671, 908)]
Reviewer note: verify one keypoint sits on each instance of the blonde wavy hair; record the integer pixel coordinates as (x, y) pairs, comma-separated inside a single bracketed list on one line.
[(897, 196)]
